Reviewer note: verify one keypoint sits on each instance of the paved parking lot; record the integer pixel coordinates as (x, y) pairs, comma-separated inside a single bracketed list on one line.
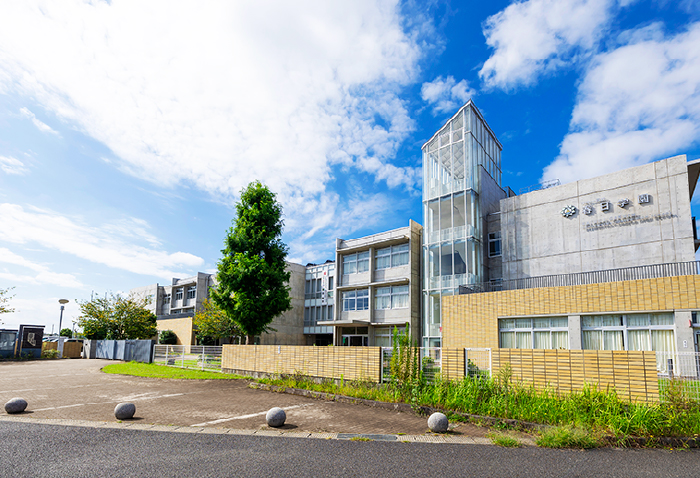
[(78, 390)]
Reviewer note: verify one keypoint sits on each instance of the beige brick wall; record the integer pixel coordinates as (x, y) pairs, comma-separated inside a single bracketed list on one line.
[(349, 363), (471, 320), (183, 328)]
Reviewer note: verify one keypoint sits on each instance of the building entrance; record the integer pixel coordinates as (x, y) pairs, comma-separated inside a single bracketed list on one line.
[(356, 340)]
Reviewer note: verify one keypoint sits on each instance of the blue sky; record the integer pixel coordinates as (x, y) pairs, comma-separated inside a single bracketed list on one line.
[(127, 129)]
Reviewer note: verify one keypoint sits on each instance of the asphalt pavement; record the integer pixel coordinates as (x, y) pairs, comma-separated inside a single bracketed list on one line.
[(217, 428), (32, 449)]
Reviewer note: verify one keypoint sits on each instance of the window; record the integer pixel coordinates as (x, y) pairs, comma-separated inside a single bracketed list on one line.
[(356, 300), (535, 333), (653, 332), (383, 335), (393, 256), (330, 287), (191, 291), (395, 297), (166, 299), (356, 263), (178, 294), (494, 244)]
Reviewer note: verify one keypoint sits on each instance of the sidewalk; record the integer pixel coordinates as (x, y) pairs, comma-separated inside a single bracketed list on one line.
[(76, 392)]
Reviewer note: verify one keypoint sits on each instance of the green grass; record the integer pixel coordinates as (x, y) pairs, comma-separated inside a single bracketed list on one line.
[(138, 369), (601, 411), (568, 437), (503, 439)]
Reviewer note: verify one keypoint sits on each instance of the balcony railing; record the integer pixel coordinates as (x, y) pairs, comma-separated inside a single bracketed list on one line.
[(593, 277)]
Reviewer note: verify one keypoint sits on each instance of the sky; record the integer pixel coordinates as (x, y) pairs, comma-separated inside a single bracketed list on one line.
[(129, 128)]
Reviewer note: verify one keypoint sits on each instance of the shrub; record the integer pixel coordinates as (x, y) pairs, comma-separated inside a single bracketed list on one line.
[(167, 337), (49, 354)]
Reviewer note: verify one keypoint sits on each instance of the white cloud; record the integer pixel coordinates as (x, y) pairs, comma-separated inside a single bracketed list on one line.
[(446, 94), (217, 94), (43, 275), (637, 103), (40, 310), (536, 37), (41, 126), (10, 165), (115, 245)]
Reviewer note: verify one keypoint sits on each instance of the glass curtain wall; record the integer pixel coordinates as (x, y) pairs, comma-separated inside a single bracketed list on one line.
[(452, 247)]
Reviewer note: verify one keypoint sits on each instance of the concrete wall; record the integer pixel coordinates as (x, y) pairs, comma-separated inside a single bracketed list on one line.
[(489, 206), (538, 240), (289, 326), (372, 279)]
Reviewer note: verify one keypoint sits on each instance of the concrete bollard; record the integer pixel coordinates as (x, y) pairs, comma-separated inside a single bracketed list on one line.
[(438, 423), (275, 417), (16, 405), (124, 411)]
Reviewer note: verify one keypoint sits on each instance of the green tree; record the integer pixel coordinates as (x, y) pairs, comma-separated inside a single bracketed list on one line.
[(5, 300), (252, 278), (212, 323), (66, 332), (117, 318)]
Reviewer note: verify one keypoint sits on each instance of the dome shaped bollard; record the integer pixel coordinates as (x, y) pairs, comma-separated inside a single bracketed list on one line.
[(438, 423), (16, 405), (275, 417), (124, 411)]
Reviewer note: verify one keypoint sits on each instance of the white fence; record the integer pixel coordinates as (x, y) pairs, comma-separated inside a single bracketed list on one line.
[(477, 362), (198, 357), (430, 362), (678, 364)]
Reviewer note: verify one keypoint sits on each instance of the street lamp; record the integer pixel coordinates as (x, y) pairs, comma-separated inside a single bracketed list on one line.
[(60, 320)]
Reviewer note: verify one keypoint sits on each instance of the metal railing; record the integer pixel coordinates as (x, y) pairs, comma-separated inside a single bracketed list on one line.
[(198, 357), (679, 375), (430, 365), (611, 275), (477, 362)]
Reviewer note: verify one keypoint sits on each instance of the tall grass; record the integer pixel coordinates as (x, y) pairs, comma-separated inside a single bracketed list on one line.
[(590, 408)]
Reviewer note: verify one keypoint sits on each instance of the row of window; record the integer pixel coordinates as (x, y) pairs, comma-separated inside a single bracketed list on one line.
[(636, 332), (314, 288), (394, 297), (191, 293), (312, 315), (385, 258)]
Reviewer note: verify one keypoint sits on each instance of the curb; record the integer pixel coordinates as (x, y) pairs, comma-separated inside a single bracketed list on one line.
[(638, 442), (266, 431)]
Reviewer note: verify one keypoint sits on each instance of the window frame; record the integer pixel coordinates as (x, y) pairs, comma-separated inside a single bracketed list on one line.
[(394, 292), (494, 239), (358, 260), (359, 302), (532, 329), (625, 327)]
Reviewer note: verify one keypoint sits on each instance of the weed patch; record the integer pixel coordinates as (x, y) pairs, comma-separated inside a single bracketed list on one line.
[(568, 437), (503, 439)]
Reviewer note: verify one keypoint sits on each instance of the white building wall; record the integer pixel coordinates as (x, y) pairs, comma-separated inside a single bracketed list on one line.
[(538, 240)]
